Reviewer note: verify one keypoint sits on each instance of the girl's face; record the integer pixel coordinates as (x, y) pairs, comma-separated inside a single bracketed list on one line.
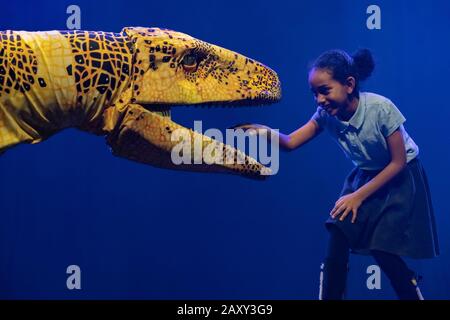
[(333, 96)]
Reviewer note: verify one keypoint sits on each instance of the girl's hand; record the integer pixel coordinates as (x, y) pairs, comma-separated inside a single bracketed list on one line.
[(345, 204)]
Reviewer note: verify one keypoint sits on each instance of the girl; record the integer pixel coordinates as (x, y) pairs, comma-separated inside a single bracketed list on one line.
[(385, 207)]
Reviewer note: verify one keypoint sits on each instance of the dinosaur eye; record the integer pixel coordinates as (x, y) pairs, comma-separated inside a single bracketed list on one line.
[(190, 62), (190, 59)]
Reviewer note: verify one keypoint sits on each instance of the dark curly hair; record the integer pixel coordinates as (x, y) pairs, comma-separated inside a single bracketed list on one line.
[(341, 65)]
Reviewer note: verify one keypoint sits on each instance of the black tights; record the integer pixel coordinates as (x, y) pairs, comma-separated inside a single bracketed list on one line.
[(335, 268)]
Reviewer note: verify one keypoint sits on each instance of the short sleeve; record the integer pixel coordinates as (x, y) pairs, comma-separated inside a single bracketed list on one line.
[(320, 117), (390, 118)]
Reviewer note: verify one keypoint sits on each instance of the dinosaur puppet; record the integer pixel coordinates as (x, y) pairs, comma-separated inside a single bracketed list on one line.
[(122, 85)]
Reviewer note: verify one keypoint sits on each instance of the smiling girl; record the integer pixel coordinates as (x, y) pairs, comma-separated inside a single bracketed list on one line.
[(384, 208)]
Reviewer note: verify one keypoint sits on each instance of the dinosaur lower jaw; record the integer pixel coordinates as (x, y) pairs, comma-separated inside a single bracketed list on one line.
[(214, 155), (210, 155)]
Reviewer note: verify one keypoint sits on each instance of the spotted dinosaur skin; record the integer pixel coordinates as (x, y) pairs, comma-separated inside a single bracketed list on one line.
[(122, 85)]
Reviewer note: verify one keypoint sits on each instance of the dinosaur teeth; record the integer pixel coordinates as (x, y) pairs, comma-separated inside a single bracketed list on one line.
[(236, 103)]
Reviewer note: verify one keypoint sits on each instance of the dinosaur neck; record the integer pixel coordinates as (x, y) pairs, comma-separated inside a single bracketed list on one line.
[(101, 67), (53, 80)]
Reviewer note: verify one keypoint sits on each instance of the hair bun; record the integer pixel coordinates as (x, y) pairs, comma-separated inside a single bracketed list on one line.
[(363, 63)]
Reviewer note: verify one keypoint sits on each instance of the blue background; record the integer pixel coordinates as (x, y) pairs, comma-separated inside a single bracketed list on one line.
[(139, 232)]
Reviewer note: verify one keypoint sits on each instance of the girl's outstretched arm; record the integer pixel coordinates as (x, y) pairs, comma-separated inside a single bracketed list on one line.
[(287, 141)]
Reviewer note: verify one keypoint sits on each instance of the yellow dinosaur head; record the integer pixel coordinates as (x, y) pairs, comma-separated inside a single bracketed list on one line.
[(175, 68)]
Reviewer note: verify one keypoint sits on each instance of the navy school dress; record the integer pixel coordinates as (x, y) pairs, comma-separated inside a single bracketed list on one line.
[(398, 218)]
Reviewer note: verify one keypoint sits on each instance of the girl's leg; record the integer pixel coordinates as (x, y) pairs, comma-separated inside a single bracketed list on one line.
[(333, 276), (403, 279)]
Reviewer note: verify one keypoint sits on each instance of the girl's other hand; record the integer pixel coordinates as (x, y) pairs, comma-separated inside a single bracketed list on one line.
[(346, 204)]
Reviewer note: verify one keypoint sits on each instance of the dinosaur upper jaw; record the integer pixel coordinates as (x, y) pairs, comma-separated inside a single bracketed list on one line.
[(164, 109)]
